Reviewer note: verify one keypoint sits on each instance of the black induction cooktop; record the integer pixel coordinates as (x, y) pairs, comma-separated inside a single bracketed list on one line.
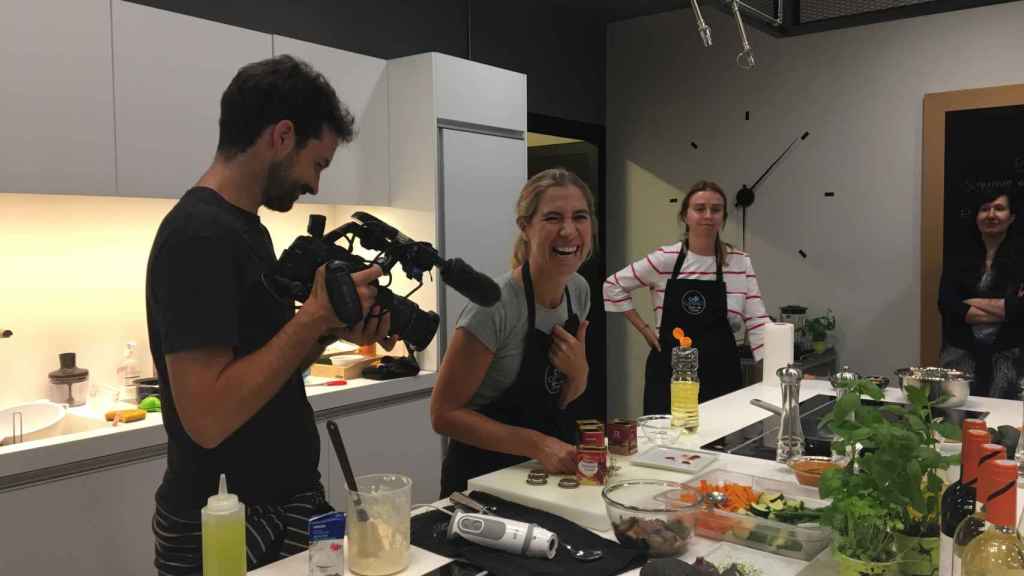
[(758, 439)]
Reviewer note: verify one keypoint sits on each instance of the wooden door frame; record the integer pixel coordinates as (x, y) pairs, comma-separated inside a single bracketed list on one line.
[(933, 185)]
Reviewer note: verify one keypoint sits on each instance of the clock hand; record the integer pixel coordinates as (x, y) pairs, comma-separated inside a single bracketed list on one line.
[(745, 195), (779, 159)]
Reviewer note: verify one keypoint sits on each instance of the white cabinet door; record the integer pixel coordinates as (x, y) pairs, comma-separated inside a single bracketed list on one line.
[(471, 92), (359, 172), (169, 73), (393, 438), (57, 100), (481, 176), (96, 523)]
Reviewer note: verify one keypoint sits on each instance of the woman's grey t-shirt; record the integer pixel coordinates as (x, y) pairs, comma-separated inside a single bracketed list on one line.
[(502, 329)]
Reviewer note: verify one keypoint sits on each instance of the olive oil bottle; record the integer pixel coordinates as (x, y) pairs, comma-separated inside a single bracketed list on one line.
[(685, 389)]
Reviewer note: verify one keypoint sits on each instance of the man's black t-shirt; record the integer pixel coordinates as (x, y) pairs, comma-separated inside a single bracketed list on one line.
[(204, 289)]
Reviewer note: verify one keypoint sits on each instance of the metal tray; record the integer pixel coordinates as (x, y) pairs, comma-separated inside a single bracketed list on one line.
[(804, 541)]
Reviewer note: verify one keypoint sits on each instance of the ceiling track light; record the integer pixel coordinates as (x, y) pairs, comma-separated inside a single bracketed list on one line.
[(702, 27), (745, 59)]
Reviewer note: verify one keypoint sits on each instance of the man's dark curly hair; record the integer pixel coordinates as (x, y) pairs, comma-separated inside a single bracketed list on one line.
[(282, 88)]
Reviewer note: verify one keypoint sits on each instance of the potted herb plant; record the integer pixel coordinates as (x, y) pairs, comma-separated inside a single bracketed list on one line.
[(817, 329), (885, 500)]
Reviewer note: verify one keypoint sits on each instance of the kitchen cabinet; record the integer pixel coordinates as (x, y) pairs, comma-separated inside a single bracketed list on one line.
[(479, 94), (57, 103), (169, 73), (89, 523), (390, 437), (358, 175)]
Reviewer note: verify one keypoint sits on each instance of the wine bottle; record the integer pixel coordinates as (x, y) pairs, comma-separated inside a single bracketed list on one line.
[(998, 551), (974, 524), (958, 501)]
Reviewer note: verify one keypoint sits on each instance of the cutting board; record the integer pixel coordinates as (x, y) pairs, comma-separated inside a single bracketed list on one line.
[(582, 505)]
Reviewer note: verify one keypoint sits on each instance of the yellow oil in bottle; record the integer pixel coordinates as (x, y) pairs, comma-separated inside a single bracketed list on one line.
[(685, 388), (223, 528), (224, 547), (685, 412)]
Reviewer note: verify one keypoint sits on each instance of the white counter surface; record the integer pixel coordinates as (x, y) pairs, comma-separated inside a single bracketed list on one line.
[(147, 435), (718, 417)]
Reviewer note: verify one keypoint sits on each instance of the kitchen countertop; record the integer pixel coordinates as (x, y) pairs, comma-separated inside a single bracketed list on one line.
[(31, 461), (718, 417)]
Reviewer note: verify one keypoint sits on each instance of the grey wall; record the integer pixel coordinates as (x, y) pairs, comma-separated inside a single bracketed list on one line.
[(859, 91), (561, 51)]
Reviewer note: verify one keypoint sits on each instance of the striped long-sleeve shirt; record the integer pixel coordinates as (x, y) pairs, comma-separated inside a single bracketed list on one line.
[(746, 313)]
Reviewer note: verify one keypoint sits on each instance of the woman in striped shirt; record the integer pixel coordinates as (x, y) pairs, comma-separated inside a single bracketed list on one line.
[(702, 285)]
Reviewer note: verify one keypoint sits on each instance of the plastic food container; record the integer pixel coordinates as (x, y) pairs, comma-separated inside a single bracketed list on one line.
[(644, 519), (803, 541)]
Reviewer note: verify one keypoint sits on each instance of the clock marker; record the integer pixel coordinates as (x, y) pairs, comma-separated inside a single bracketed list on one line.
[(693, 144), (829, 194), (802, 253)]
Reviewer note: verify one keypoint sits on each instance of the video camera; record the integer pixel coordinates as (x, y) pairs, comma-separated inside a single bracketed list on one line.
[(296, 269)]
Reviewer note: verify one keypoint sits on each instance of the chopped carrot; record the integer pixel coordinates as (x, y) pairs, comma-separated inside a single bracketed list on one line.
[(738, 496)]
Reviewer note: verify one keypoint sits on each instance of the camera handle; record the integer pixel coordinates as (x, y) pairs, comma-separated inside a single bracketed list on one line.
[(341, 291)]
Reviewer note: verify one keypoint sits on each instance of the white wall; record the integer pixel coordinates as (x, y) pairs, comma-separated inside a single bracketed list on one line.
[(859, 92), (73, 272)]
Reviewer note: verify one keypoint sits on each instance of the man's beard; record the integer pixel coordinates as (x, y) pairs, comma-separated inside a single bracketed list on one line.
[(280, 192)]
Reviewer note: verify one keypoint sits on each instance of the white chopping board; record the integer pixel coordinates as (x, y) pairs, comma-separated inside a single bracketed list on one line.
[(582, 505)]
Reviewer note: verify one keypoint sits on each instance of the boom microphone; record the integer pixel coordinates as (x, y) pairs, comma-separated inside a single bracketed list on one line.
[(478, 287)]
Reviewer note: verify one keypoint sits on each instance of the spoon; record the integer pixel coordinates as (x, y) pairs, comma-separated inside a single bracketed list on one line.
[(583, 554), (715, 499)]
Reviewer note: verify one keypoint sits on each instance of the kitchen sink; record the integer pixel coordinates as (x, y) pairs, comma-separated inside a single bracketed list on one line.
[(43, 419)]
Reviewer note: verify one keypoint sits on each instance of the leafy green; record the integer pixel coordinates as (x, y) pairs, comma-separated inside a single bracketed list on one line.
[(891, 481)]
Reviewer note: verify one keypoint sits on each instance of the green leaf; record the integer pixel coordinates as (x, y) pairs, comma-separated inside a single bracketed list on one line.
[(917, 396), (845, 406), (948, 430), (871, 389), (868, 416), (860, 435), (894, 409), (915, 422)]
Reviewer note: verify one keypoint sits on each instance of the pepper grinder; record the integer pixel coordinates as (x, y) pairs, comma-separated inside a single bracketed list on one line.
[(791, 434)]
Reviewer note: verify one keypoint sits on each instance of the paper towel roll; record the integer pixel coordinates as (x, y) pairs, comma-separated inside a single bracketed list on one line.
[(778, 350)]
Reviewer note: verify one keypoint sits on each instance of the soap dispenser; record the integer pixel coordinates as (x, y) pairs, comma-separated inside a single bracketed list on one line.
[(223, 533)]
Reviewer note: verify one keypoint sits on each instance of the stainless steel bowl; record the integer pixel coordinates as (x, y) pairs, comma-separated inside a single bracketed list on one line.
[(938, 381)]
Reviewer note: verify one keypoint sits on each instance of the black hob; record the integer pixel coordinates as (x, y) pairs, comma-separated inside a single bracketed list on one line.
[(758, 440)]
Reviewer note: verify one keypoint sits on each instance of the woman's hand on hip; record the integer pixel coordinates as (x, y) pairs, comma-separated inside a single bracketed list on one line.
[(556, 456), (568, 353), (652, 337)]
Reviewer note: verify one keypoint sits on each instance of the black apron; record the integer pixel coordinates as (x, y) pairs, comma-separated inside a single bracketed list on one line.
[(698, 307), (530, 402)]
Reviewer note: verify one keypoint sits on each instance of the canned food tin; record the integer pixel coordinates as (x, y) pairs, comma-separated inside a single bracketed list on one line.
[(591, 465), (622, 436)]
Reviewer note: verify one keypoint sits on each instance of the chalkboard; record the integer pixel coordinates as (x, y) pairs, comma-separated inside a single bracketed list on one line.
[(984, 151)]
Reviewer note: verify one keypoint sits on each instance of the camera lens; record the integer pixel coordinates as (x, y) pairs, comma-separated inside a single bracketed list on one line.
[(409, 322)]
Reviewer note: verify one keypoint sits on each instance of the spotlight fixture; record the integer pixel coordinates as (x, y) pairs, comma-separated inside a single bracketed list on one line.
[(702, 27), (745, 59)]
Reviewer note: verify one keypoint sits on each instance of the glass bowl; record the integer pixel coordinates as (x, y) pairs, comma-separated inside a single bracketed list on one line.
[(658, 429), (656, 516)]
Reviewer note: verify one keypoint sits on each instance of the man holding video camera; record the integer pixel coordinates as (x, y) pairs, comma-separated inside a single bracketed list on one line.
[(230, 354)]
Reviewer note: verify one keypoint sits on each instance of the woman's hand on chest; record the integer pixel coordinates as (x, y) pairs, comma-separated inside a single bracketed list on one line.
[(568, 353)]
